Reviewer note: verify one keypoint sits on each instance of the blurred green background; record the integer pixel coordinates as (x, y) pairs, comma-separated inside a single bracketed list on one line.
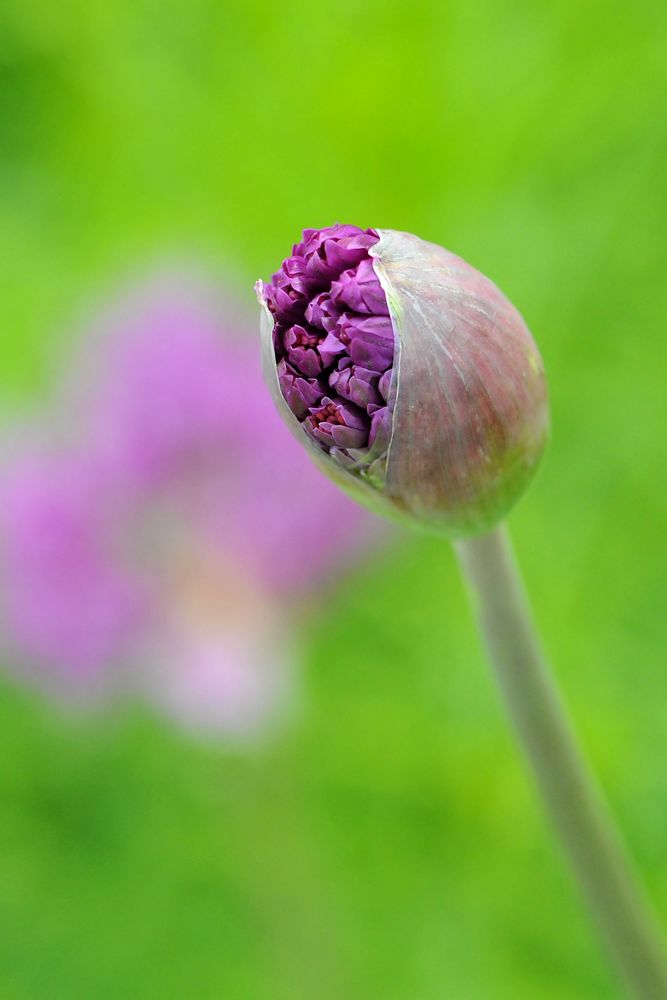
[(389, 846)]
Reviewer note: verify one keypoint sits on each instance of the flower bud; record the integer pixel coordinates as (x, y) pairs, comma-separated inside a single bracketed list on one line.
[(410, 378)]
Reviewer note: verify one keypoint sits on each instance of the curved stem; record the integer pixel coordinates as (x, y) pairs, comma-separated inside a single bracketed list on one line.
[(567, 786)]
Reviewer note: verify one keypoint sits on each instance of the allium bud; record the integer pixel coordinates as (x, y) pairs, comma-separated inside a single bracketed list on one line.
[(411, 379)]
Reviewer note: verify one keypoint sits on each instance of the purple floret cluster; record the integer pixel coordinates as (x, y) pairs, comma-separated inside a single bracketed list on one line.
[(334, 341)]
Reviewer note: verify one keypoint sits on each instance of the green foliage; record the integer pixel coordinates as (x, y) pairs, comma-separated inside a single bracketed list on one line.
[(389, 847)]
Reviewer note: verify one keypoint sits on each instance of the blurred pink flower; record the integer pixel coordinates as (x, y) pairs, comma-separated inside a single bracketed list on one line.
[(165, 547)]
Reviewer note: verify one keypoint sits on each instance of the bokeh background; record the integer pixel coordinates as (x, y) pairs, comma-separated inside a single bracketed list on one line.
[(385, 844)]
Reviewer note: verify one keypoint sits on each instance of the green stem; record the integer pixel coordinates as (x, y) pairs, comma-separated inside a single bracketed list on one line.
[(567, 786)]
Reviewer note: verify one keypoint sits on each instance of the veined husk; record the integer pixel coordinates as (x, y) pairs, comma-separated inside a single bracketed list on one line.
[(470, 411)]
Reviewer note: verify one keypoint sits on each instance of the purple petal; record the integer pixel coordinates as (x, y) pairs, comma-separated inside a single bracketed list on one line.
[(359, 289), (370, 340), (330, 349), (300, 393), (355, 383), (380, 432), (338, 423), (322, 312), (301, 345), (385, 384)]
